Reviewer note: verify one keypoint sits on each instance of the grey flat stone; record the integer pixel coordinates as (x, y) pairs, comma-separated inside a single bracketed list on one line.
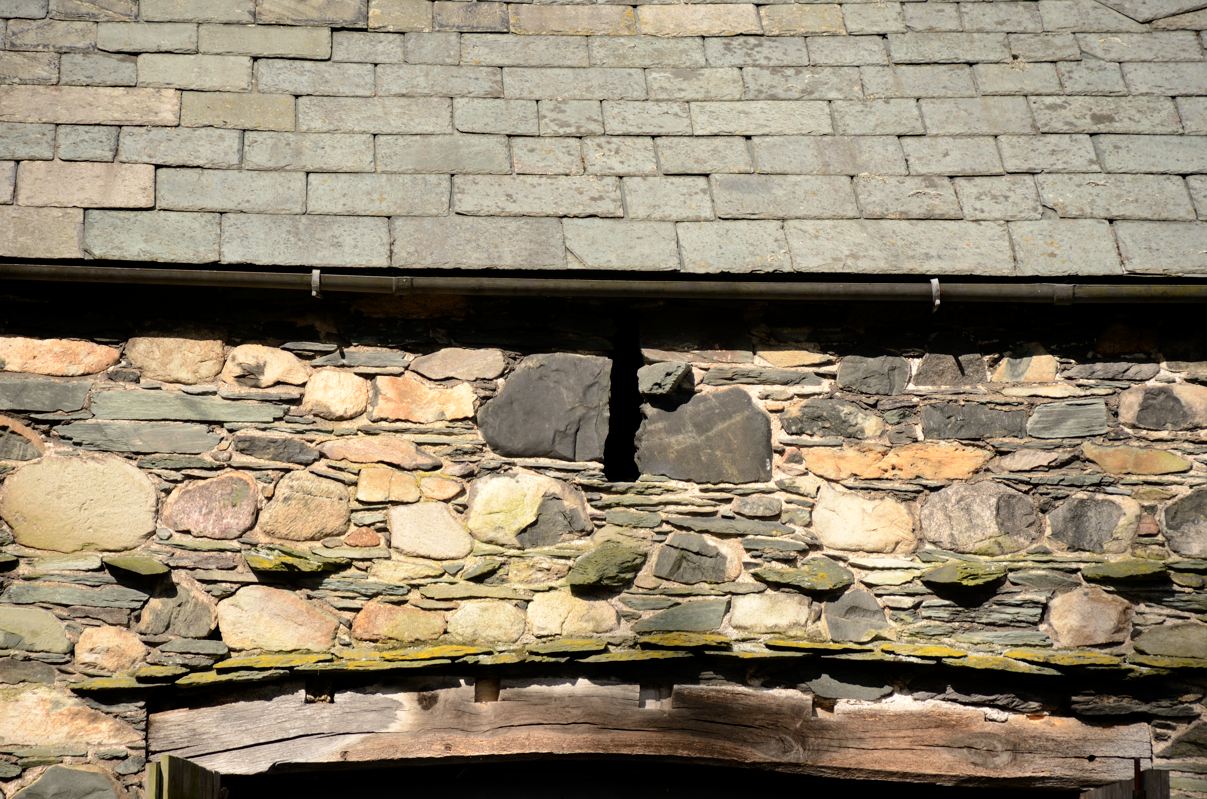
[(721, 437), (971, 421), (1072, 419), (695, 617), (25, 393), (152, 405), (117, 436)]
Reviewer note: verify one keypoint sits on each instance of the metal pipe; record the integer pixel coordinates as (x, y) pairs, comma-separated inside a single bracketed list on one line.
[(686, 287)]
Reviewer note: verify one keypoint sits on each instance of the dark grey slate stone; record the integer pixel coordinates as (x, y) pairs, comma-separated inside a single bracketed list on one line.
[(968, 421), (1070, 419), (180, 437), (689, 558), (829, 417), (14, 671), (718, 526), (827, 687), (1085, 524), (1123, 370), (369, 359), (105, 596), (942, 369), (624, 517), (61, 782), (195, 646), (42, 394), (692, 617), (819, 575), (1191, 743), (721, 437), (1043, 579), (153, 405), (1186, 524), (662, 379), (758, 507), (271, 448), (553, 406), (1161, 409), (554, 519), (16, 448), (855, 616), (886, 374), (1186, 640), (759, 376)]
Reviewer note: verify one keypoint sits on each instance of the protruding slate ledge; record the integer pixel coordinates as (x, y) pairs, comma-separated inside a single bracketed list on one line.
[(775, 729)]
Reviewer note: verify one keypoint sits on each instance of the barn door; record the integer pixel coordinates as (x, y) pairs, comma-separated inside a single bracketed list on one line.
[(175, 778), (1152, 784)]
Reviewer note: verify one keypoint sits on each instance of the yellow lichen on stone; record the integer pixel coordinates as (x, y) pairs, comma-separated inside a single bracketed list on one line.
[(205, 678), (921, 650), (98, 684), (372, 665), (451, 651), (1167, 662), (628, 655), (813, 646), (1064, 657), (998, 663), (685, 640), (272, 661)]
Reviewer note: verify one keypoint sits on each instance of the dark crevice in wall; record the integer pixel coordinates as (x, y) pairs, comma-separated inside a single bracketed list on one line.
[(624, 406)]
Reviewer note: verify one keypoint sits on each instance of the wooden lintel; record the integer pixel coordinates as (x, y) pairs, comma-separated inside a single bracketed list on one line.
[(935, 742)]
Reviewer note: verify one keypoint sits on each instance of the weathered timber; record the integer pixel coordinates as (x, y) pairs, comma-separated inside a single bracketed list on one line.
[(934, 742)]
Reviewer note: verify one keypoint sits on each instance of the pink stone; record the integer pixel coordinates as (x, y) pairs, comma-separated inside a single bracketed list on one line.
[(335, 394), (57, 356), (221, 507), (394, 450), (258, 617), (410, 399)]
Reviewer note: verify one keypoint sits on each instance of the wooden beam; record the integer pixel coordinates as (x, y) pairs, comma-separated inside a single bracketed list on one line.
[(935, 742)]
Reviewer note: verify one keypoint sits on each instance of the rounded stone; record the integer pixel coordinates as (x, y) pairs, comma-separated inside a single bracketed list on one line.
[(428, 530), (458, 363), (257, 617), (220, 507), (259, 366), (56, 357), (487, 621), (112, 650), (382, 621), (335, 394), (1086, 523), (1181, 406), (394, 450), (848, 521), (306, 507), (855, 616), (66, 503), (508, 510), (562, 613), (983, 518), (1186, 524), (1088, 616), (176, 360), (62, 782)]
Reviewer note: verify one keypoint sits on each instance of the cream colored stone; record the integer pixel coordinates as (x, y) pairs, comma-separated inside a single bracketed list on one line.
[(66, 503), (83, 184), (562, 613), (458, 363), (382, 621), (276, 620), (410, 399), (335, 394), (770, 612), (846, 520), (503, 506), (788, 359), (1088, 617), (428, 530), (1037, 367), (382, 484), (176, 360), (37, 715), (260, 367), (112, 650), (56, 356), (405, 570), (486, 621), (306, 507)]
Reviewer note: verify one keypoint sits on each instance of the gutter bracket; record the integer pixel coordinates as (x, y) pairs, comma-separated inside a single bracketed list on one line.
[(935, 297), (316, 283), (1062, 294)]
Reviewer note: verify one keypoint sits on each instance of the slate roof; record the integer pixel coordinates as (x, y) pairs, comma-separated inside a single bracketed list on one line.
[(1027, 138)]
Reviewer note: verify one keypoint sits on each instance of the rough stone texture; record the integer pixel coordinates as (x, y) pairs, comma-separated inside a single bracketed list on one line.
[(1095, 523), (1177, 407), (111, 650), (524, 509), (686, 443), (1188, 640), (428, 530), (176, 360), (983, 518), (611, 565), (123, 436), (28, 393), (1071, 419), (261, 367), (489, 620), (882, 375), (61, 782), (849, 521), (827, 417), (381, 484), (770, 612), (66, 503), (1088, 616), (855, 616), (152, 235), (562, 613), (458, 363), (257, 617), (394, 450), (183, 610), (382, 621), (690, 558), (702, 615), (47, 717), (926, 460), (221, 507), (305, 507), (33, 629), (971, 421), (1135, 460), (58, 357), (411, 399), (551, 406), (1186, 524), (336, 394)]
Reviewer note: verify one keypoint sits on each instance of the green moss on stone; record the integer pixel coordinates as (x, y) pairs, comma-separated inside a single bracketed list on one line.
[(206, 678), (451, 651), (963, 574), (818, 575), (1124, 571), (152, 674), (820, 647), (610, 565), (1168, 662), (100, 684), (633, 655), (135, 565), (561, 646), (370, 665)]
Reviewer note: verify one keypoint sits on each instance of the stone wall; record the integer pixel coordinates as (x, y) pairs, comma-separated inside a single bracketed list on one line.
[(1015, 522)]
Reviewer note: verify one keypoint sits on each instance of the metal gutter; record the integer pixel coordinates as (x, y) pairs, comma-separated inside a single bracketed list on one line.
[(932, 290)]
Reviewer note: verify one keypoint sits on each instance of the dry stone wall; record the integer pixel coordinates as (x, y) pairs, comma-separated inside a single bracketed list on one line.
[(185, 513), (1033, 138)]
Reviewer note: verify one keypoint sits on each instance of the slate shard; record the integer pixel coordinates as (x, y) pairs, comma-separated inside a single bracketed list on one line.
[(830, 417), (720, 437), (887, 374), (663, 379), (968, 421), (552, 406), (61, 782), (1186, 524), (690, 558)]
